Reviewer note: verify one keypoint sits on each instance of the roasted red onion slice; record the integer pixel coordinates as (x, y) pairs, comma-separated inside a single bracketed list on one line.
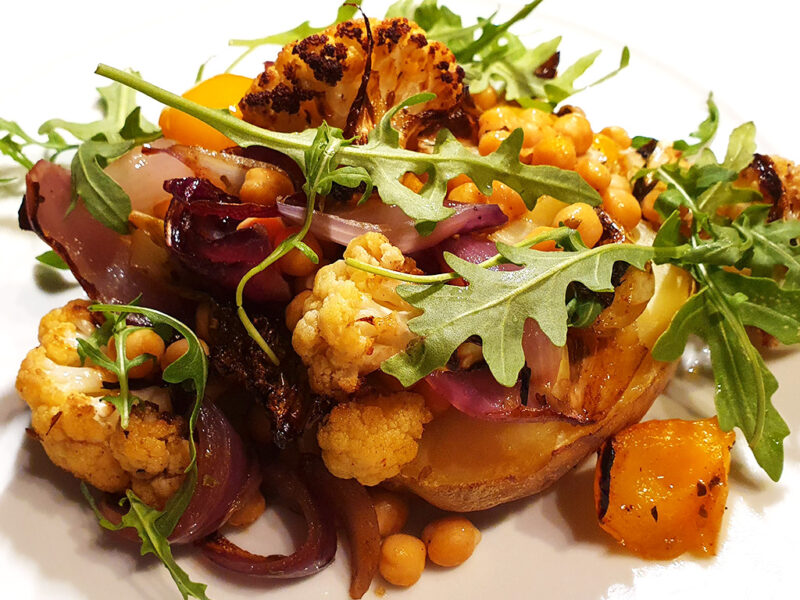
[(477, 393), (201, 230), (226, 170), (315, 553), (474, 249), (341, 226), (100, 258), (222, 475), (356, 514)]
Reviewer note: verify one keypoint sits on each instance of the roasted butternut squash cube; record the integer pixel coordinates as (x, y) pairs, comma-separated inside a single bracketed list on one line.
[(660, 486)]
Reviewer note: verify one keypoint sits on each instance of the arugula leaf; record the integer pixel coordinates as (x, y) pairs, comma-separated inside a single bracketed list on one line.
[(774, 243), (385, 162), (146, 521), (117, 103), (705, 132), (153, 526), (718, 313), (496, 304), (15, 140), (104, 198), (498, 57), (51, 259), (346, 12)]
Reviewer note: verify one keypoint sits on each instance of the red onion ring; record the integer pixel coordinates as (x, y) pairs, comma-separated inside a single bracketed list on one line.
[(342, 226), (355, 512), (222, 468), (314, 554)]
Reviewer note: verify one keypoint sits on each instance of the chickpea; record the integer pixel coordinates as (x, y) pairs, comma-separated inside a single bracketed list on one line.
[(294, 310), (619, 135), (297, 264), (509, 201), (402, 559), (391, 510), (486, 99), (451, 540), (622, 207), (177, 349), (141, 341), (204, 320), (491, 140), (557, 150), (499, 117), (457, 181), (265, 186), (596, 174), (577, 128), (581, 216), (467, 193)]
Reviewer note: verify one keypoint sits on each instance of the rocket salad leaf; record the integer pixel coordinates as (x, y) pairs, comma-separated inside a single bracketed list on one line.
[(153, 526)]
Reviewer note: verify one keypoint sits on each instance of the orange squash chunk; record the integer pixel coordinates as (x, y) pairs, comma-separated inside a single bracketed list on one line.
[(660, 486)]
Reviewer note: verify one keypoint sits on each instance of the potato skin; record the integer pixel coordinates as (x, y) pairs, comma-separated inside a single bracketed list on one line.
[(466, 464)]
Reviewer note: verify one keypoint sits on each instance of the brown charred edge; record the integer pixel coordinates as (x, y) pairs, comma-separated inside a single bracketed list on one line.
[(281, 98), (31, 433), (283, 390), (22, 217), (654, 513), (702, 490), (604, 485), (525, 384), (567, 109), (390, 35), (461, 120), (357, 108), (326, 60), (769, 184), (646, 151), (643, 186), (613, 233), (56, 417), (32, 202), (549, 68)]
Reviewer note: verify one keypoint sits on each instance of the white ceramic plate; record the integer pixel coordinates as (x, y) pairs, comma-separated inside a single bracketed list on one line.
[(545, 547)]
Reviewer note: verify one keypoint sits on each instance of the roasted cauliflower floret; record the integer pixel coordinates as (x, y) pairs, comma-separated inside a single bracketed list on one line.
[(370, 439), (81, 433), (353, 320), (318, 78)]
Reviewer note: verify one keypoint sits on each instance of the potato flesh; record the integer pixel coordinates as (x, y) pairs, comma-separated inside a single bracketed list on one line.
[(467, 464), (661, 486)]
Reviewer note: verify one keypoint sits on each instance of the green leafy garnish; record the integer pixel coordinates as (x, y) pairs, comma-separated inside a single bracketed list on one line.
[(51, 259), (726, 302), (491, 55), (121, 128), (153, 526), (496, 304), (385, 162), (705, 131), (346, 12), (149, 525)]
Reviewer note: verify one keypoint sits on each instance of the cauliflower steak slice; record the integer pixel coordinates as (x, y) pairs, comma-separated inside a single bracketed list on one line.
[(318, 78)]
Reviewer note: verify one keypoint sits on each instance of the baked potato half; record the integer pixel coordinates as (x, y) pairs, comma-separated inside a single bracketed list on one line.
[(467, 464)]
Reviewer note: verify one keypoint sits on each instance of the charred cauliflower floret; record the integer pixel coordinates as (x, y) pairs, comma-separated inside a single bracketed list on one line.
[(353, 320), (372, 438), (318, 78), (81, 433)]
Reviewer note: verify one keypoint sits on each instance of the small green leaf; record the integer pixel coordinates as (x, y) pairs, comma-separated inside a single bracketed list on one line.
[(705, 132), (51, 259), (104, 198), (496, 304)]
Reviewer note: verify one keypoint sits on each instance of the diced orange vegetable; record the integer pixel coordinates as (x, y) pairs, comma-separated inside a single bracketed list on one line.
[(660, 487), (220, 91)]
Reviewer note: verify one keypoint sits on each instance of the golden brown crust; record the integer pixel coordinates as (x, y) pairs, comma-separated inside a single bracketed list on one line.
[(317, 79)]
